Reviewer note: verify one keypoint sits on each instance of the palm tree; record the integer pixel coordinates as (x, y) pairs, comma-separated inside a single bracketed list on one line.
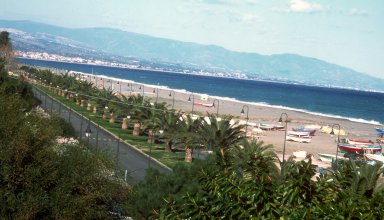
[(255, 159), (361, 180), (170, 122), (152, 122), (221, 136), (139, 112), (187, 134), (104, 98)]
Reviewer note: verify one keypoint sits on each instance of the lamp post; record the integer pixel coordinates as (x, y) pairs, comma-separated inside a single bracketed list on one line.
[(172, 93), (218, 105), (193, 100), (285, 133), (156, 90), (118, 83), (118, 151), (246, 122), (338, 139), (88, 131), (142, 93), (130, 91)]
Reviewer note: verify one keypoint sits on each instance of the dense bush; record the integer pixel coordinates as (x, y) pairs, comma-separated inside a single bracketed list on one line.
[(40, 179)]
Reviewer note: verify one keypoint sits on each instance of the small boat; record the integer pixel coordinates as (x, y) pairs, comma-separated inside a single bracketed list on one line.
[(311, 132), (267, 127), (359, 149), (376, 157), (298, 133), (358, 142), (279, 127), (330, 157), (204, 104), (379, 131), (298, 138)]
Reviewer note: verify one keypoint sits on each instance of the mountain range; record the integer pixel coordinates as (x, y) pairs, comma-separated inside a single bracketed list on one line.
[(127, 47)]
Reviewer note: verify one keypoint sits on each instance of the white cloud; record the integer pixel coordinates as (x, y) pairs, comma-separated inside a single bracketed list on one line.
[(358, 12), (303, 6)]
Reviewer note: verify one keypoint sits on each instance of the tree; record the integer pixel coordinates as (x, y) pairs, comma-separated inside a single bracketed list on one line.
[(147, 197), (152, 121), (42, 179), (221, 136), (232, 193), (187, 134), (6, 49), (170, 122)]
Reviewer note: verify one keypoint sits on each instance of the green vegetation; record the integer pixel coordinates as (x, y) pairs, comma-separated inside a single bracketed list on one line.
[(253, 188), (241, 179), (41, 179)]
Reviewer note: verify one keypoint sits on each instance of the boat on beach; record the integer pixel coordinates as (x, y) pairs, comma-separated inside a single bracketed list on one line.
[(376, 157), (299, 138), (348, 148), (267, 127), (358, 142), (204, 104), (330, 157), (298, 133), (379, 131), (311, 132)]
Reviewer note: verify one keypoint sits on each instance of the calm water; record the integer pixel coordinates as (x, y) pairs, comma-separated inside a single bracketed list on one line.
[(351, 104)]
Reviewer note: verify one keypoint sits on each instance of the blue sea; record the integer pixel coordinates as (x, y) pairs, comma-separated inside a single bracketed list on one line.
[(354, 105)]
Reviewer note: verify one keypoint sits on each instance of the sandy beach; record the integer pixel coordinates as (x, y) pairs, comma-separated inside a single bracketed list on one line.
[(321, 143)]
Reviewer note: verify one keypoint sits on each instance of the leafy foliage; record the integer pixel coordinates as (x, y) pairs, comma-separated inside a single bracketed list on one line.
[(253, 187), (40, 179), (148, 196)]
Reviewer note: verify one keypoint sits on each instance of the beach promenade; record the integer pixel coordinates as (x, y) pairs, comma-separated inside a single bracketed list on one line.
[(203, 104), (127, 158)]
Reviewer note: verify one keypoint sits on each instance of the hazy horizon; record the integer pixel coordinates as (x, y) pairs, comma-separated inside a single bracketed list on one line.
[(346, 33)]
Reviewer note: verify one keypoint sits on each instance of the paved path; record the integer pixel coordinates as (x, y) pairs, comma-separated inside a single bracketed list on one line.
[(128, 159)]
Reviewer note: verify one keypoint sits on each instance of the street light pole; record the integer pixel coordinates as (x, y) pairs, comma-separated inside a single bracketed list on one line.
[(118, 151), (193, 100), (119, 85), (88, 131), (172, 93), (285, 133), (142, 93), (338, 139), (218, 105), (156, 90), (246, 122)]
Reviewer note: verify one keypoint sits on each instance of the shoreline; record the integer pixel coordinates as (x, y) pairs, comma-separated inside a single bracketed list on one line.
[(228, 99), (321, 143), (208, 75)]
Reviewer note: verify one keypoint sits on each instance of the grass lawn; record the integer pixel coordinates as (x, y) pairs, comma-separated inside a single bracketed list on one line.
[(155, 150)]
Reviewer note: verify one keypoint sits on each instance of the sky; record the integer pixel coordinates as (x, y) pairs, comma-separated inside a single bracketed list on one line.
[(344, 32)]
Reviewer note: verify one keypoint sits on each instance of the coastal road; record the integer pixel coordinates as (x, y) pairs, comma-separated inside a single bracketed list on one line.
[(128, 159)]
